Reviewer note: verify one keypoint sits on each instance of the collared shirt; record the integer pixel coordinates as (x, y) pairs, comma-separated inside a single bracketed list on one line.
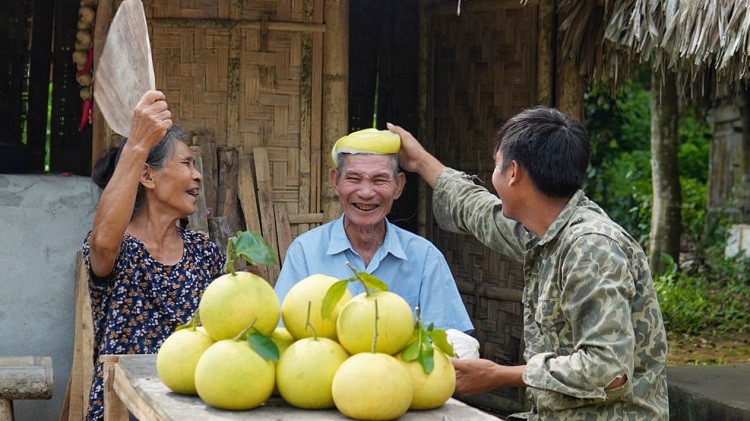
[(590, 309), (411, 266)]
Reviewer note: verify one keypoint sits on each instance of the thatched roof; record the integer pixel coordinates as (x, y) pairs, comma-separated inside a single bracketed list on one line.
[(696, 38)]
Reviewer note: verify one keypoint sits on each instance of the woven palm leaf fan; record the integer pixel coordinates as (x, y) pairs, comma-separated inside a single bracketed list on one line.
[(125, 70)]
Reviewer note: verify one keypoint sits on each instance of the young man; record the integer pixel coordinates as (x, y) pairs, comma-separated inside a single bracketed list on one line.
[(366, 182), (595, 340)]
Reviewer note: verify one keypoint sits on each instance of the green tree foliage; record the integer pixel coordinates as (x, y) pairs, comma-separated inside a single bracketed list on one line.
[(620, 172), (709, 293)]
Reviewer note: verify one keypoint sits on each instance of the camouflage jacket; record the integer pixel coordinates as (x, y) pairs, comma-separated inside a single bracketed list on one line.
[(590, 310)]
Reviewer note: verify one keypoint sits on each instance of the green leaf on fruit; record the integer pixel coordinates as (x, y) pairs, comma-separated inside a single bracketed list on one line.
[(427, 358), (332, 297), (254, 248), (263, 345), (411, 352), (440, 339), (372, 282), (367, 280)]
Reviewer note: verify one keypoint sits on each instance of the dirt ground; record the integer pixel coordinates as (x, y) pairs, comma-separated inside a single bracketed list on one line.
[(709, 350)]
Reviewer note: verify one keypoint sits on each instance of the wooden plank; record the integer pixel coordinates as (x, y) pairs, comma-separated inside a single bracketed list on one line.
[(114, 409), (283, 231), (265, 202), (249, 203), (219, 232), (210, 173), (6, 410), (306, 218), (234, 76), (335, 89), (198, 221), (316, 120), (130, 398), (76, 380), (317, 28), (227, 197)]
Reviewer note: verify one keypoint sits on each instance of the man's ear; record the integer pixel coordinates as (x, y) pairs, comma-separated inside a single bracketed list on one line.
[(147, 178), (400, 183), (516, 173), (334, 178)]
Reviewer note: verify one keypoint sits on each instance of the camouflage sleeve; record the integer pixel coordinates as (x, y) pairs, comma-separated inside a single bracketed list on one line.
[(463, 207), (596, 334)]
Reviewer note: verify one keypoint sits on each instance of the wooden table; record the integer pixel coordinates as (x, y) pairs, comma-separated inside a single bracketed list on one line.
[(131, 384)]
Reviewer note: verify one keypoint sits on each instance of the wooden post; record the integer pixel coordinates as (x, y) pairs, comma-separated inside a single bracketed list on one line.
[(114, 409), (6, 410), (569, 88), (335, 91), (546, 48)]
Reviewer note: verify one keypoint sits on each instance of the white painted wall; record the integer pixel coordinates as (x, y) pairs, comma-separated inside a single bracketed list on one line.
[(43, 220)]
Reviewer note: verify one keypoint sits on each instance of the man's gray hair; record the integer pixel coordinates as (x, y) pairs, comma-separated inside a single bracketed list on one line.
[(340, 162)]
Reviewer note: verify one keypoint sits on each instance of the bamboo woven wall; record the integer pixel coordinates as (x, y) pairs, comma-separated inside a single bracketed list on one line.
[(482, 69), (243, 74)]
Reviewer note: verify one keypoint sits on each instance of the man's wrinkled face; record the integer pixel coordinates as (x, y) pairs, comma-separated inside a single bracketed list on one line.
[(367, 187)]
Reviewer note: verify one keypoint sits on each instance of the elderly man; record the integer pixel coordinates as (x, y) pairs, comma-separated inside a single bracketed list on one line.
[(595, 341), (366, 180)]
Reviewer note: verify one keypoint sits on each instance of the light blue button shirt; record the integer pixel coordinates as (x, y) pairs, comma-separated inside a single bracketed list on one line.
[(411, 266)]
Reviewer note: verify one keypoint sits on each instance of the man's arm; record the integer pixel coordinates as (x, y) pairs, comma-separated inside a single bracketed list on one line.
[(414, 158)]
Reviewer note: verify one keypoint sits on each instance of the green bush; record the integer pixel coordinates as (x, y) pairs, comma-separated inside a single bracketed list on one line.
[(693, 304)]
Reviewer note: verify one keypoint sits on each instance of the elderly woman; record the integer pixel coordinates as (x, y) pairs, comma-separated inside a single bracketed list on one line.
[(146, 275), (366, 180)]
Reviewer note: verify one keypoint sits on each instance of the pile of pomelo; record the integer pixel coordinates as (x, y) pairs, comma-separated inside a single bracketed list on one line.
[(365, 355)]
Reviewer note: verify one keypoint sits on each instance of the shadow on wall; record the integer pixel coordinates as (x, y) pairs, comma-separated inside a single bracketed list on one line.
[(43, 220)]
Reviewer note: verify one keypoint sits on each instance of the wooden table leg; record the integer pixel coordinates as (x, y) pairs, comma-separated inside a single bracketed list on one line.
[(6, 410), (114, 409)]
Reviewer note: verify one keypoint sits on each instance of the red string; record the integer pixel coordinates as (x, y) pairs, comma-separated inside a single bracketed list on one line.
[(89, 62)]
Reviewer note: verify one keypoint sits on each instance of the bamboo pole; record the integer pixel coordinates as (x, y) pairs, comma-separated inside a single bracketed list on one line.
[(335, 90)]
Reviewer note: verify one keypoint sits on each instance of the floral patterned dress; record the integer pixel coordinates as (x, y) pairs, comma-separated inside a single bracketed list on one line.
[(143, 301)]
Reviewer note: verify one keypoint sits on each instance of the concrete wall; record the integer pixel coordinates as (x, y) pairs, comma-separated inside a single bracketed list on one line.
[(43, 220)]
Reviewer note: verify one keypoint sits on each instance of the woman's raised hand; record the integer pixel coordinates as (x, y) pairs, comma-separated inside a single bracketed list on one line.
[(151, 120)]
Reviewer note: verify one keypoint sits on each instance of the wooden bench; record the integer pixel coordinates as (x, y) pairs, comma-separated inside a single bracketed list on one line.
[(23, 378)]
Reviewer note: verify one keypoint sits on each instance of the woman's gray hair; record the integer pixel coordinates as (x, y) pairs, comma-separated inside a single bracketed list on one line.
[(156, 159)]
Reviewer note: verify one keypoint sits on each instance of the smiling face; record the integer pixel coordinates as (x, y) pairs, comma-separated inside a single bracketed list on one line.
[(366, 188), (177, 183)]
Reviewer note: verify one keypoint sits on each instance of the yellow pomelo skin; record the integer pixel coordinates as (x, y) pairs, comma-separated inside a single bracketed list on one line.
[(282, 338), (294, 308), (178, 356), (304, 373), (230, 375), (371, 386), (434, 389), (356, 323), (231, 302)]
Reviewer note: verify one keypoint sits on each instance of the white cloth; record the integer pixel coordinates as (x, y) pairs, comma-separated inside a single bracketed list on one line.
[(464, 346)]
